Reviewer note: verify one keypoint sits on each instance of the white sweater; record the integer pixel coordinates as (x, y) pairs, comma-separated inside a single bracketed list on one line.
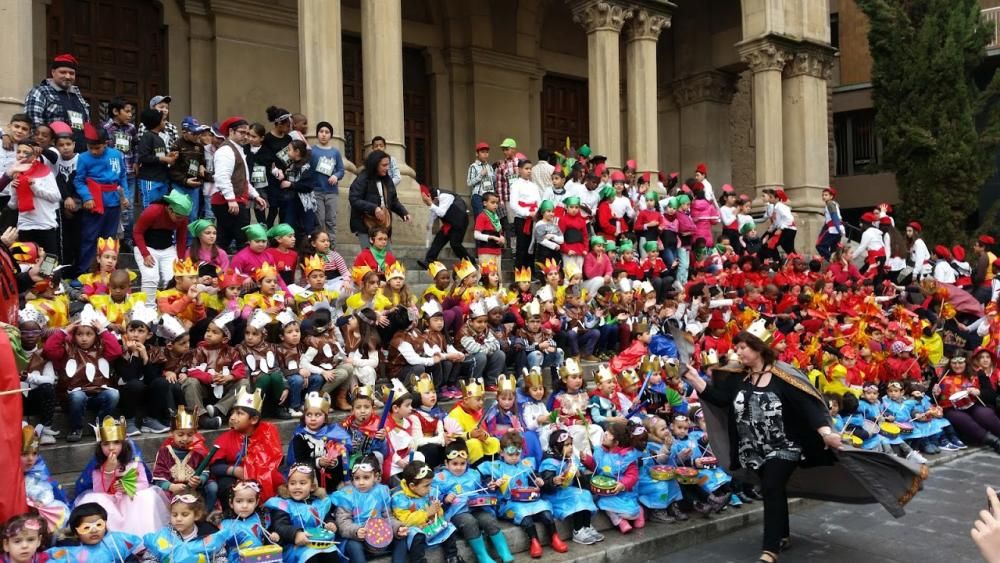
[(47, 197)]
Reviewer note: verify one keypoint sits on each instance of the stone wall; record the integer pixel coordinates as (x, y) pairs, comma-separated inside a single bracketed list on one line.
[(741, 136)]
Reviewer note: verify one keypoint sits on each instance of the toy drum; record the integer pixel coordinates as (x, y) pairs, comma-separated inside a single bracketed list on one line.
[(905, 427), (262, 554), (662, 472), (378, 533), (962, 400), (525, 494), (569, 475), (484, 500), (852, 440), (435, 527), (707, 462), (889, 429), (321, 538), (687, 475), (602, 485), (871, 428)]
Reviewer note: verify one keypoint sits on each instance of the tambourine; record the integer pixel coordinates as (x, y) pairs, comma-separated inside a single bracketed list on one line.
[(262, 554), (707, 462), (378, 533), (688, 476), (321, 538), (602, 485)]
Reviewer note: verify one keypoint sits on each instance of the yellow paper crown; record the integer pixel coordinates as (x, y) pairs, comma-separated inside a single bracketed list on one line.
[(249, 400), (628, 378), (603, 374), (522, 275), (571, 270), (185, 267), (266, 270), (464, 269), (422, 383), (571, 367), (358, 274), (474, 388), (435, 268), (107, 245), (534, 378), (312, 264), (316, 401), (364, 391), (29, 439), (488, 268), (395, 270), (549, 266), (112, 430), (185, 420), (506, 383), (650, 364)]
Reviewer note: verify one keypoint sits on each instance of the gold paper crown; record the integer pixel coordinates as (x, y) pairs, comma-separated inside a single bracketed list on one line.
[(316, 401), (532, 309), (759, 329), (358, 274), (474, 388), (364, 391), (570, 368), (397, 389), (640, 327), (571, 270), (422, 383), (522, 275), (650, 364), (266, 270), (185, 420), (506, 383), (249, 400), (185, 267), (710, 357), (534, 378), (112, 430), (603, 374), (464, 269), (395, 270), (312, 264), (107, 245), (29, 440), (549, 266), (435, 268), (488, 268), (628, 378)]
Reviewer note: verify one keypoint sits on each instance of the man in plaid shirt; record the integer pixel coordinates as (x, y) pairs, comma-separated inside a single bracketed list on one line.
[(506, 171), (58, 99)]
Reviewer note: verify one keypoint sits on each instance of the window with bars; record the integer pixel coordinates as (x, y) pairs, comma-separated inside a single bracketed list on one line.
[(858, 147)]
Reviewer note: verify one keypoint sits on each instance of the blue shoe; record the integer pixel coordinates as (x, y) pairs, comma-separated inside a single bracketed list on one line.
[(948, 446), (959, 444)]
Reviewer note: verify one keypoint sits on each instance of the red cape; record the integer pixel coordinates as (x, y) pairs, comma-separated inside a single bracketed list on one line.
[(12, 500), (262, 459)]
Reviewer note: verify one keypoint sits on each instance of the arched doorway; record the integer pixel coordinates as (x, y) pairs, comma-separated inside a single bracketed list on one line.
[(564, 112), (121, 46)]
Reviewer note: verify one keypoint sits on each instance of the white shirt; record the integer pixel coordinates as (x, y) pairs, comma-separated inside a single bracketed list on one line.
[(709, 194), (871, 241), (444, 202), (920, 257), (943, 272), (46, 196), (541, 175), (621, 206), (225, 163), (781, 217), (522, 194)]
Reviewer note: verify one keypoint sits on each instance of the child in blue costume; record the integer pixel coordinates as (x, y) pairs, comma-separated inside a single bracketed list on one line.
[(302, 517), (42, 491), (503, 416), (684, 452), (512, 472), (471, 505), (188, 538), (717, 480), (531, 406), (417, 506), (660, 497), (319, 444), (357, 503), (22, 536), (871, 409), (91, 541), (927, 413), (854, 424), (617, 459), (901, 409), (248, 528), (567, 489), (606, 405)]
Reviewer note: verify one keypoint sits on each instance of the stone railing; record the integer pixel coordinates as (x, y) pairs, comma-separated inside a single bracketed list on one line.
[(991, 16)]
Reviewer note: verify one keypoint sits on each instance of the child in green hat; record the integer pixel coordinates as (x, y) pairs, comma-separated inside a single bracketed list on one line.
[(282, 254), (253, 255)]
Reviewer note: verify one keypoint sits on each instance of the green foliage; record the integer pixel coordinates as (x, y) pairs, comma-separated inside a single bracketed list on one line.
[(939, 129)]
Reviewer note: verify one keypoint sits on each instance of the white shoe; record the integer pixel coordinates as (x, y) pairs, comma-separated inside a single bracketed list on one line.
[(49, 431), (295, 412), (915, 456), (583, 537), (594, 533), (46, 439)]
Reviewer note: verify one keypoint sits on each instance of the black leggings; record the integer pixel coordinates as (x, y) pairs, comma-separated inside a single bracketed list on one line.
[(774, 476), (580, 520), (528, 524)]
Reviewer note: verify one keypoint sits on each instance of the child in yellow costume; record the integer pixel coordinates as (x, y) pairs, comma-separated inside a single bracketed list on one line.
[(465, 420), (118, 300), (314, 270)]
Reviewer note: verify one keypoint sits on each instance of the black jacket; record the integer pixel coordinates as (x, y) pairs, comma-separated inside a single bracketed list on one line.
[(364, 196)]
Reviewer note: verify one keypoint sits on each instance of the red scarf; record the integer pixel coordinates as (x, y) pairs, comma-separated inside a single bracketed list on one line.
[(25, 197)]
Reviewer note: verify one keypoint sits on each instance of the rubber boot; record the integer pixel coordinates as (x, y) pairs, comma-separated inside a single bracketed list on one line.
[(640, 521), (558, 545), (500, 545), (992, 441), (479, 548), (536, 549)]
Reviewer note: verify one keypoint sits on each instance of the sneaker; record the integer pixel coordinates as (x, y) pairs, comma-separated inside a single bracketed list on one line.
[(582, 537), (948, 446), (49, 431), (594, 533), (46, 440), (676, 512), (735, 501), (285, 413), (206, 422), (74, 436), (915, 457), (931, 449), (959, 444), (210, 411), (153, 426), (703, 508), (662, 516), (744, 498), (591, 358), (131, 429)]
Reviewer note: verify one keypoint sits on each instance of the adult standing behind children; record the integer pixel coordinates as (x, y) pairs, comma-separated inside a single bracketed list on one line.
[(273, 156), (233, 191), (328, 170), (373, 197), (101, 181), (58, 99), (154, 159)]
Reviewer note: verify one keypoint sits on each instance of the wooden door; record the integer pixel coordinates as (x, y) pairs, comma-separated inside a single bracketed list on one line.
[(355, 142), (564, 112), (121, 46)]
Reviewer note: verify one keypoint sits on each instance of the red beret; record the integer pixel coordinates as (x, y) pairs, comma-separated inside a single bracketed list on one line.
[(63, 60), (646, 177), (915, 226), (90, 133), (702, 168), (868, 217), (227, 124), (716, 322), (986, 240), (885, 220), (958, 252), (617, 176), (942, 251), (674, 175), (631, 165), (424, 190), (780, 194), (727, 189), (832, 190), (599, 169)]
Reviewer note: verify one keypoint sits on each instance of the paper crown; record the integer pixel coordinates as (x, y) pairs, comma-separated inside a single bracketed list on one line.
[(549, 266), (709, 358), (423, 383), (759, 329), (223, 319), (533, 378), (571, 270), (266, 270), (185, 420), (650, 364), (286, 317), (644, 287), (111, 430), (358, 273), (170, 328), (506, 383), (625, 285), (25, 253), (571, 367), (640, 327), (431, 308), (474, 388), (522, 275), (435, 268), (477, 309), (312, 264), (314, 400), (185, 267), (363, 391), (397, 389), (395, 270), (488, 268), (493, 302), (628, 378), (259, 319), (143, 313), (29, 440), (545, 294), (603, 374), (230, 278), (30, 314), (247, 400), (90, 316), (107, 245), (464, 269), (532, 309)]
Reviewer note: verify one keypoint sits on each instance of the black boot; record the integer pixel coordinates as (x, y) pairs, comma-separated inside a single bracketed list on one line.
[(992, 441)]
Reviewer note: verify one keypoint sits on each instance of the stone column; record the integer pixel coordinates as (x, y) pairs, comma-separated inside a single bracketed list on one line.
[(16, 65), (382, 57), (202, 53), (806, 135), (704, 101), (640, 59), (321, 69), (603, 23), (766, 59)]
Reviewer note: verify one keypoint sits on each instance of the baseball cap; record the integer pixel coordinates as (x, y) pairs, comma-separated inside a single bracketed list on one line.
[(158, 100), (508, 143), (480, 146), (190, 123)]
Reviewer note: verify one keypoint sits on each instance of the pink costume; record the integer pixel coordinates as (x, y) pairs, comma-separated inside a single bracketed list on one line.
[(704, 215), (144, 513)]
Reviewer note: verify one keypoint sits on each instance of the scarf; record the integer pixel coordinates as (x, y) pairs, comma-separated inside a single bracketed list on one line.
[(494, 219), (379, 256)]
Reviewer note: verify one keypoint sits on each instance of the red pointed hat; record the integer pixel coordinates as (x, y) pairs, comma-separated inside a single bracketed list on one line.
[(987, 240), (90, 133), (701, 168), (958, 252)]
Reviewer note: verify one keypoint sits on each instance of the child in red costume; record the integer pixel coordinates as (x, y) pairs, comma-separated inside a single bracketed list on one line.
[(631, 357), (249, 450)]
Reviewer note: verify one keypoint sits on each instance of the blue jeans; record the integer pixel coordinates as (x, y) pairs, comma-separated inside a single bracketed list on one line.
[(477, 206), (355, 551), (103, 402), (196, 201), (545, 359), (92, 226), (295, 384), (486, 367), (128, 215), (150, 191), (608, 342), (211, 489), (581, 342)]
